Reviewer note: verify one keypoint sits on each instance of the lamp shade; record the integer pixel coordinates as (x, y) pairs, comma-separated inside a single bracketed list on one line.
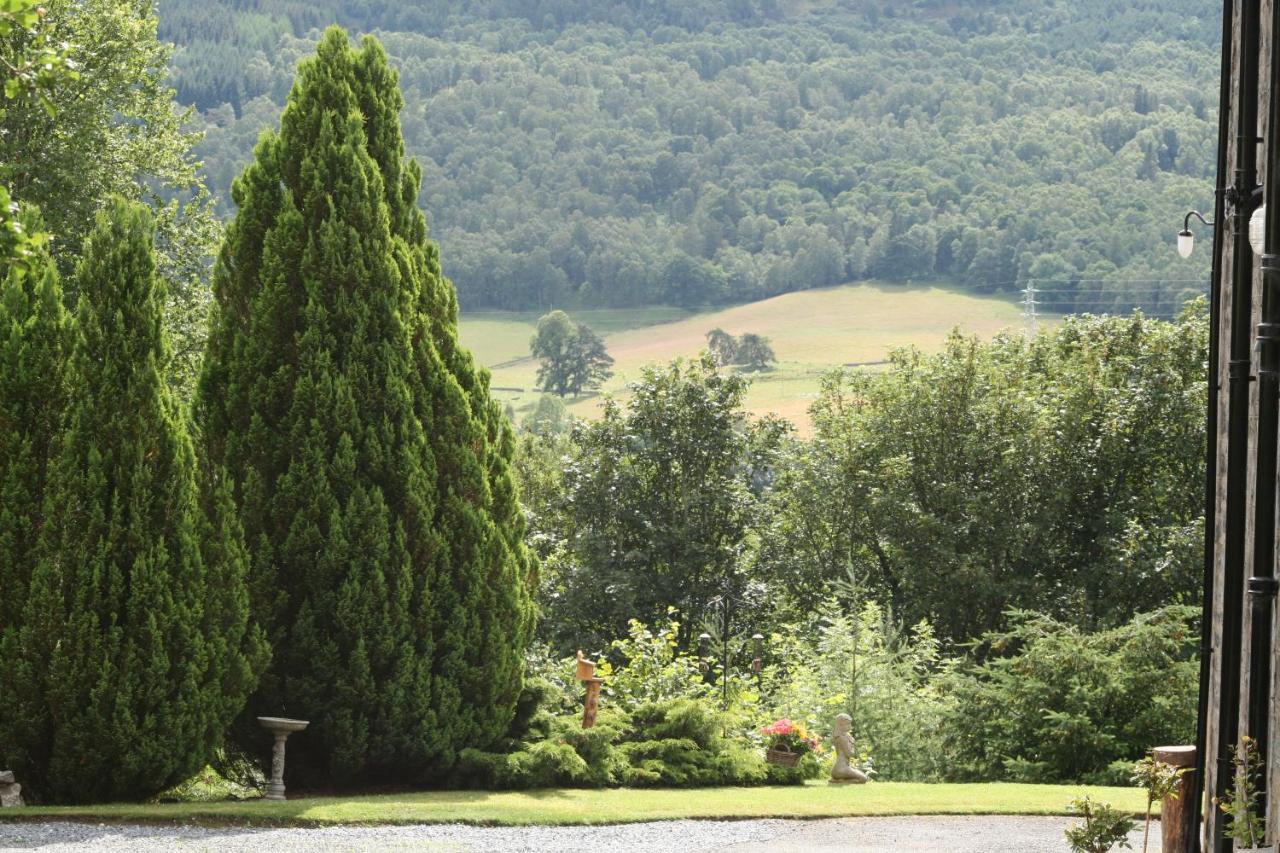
[(1258, 230), (1186, 242)]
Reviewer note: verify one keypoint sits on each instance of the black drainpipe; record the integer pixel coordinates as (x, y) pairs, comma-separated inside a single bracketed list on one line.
[(1262, 586), (1238, 368), (1211, 431)]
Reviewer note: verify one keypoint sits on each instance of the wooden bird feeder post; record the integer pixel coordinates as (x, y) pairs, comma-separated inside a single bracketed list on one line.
[(1177, 813), (586, 672)]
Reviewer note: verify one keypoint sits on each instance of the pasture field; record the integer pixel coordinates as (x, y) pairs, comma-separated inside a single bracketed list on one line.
[(811, 331)]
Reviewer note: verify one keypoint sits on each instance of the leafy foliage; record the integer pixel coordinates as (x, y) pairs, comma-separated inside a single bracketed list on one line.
[(134, 650), (856, 660), (549, 417), (369, 464), (658, 501), (110, 127), (754, 351), (751, 350), (1159, 780), (1046, 703), (722, 346), (1055, 474), (32, 62), (1243, 800), (1101, 830)]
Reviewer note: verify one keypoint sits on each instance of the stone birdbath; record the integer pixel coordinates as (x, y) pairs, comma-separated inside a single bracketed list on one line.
[(281, 728)]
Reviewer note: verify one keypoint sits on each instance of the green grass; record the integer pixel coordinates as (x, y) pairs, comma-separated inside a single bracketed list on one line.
[(812, 332), (571, 806)]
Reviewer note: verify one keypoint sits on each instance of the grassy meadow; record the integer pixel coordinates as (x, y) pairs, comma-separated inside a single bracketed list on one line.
[(811, 331)]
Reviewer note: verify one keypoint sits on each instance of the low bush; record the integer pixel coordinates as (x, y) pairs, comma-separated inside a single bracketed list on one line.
[(681, 743), (673, 743)]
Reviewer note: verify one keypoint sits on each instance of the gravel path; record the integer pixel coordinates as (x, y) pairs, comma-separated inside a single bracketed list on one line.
[(915, 834)]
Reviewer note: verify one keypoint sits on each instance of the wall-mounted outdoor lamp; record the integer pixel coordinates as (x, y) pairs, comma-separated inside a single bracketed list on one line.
[(1187, 240), (1258, 230)]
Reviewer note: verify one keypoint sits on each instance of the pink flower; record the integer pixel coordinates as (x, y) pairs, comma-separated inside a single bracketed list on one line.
[(781, 727)]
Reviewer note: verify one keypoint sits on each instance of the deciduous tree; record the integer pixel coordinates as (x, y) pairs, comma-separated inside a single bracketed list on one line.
[(112, 128), (659, 502), (754, 352), (573, 357)]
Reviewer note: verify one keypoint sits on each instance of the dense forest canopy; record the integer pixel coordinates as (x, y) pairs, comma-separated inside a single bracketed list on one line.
[(693, 153)]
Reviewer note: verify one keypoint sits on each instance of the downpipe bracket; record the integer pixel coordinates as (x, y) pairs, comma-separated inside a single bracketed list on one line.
[(1263, 587)]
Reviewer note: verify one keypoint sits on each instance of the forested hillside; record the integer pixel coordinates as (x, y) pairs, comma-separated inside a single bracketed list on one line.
[(717, 151)]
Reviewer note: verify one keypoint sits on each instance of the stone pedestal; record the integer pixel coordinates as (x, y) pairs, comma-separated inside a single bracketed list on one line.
[(10, 791), (281, 728)]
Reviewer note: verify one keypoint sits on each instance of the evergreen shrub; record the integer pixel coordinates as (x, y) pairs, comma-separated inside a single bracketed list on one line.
[(133, 650), (678, 743), (1053, 703), (370, 467)]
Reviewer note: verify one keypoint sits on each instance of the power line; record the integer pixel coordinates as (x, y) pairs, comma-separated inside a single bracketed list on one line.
[(1029, 319)]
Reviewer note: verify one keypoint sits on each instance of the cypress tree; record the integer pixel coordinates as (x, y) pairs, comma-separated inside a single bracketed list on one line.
[(34, 339), (135, 633), (33, 342), (369, 463)]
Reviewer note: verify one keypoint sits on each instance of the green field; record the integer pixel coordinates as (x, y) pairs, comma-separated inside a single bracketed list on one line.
[(811, 331), (573, 806)]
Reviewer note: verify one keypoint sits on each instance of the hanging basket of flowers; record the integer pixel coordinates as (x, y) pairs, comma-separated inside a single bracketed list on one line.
[(787, 743)]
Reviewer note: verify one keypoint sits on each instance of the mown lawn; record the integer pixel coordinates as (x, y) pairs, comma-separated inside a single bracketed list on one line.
[(565, 806)]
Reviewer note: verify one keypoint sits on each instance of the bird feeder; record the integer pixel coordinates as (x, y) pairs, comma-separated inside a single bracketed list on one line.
[(586, 672), (704, 652), (586, 668)]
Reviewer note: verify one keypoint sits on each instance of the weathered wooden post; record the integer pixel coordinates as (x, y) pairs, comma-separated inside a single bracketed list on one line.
[(1177, 814), (586, 672)]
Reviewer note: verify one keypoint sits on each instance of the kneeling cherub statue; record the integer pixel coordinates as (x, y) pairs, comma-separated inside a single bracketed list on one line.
[(844, 773)]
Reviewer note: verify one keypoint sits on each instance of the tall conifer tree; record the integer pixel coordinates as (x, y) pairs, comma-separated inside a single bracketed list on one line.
[(134, 638), (34, 328), (34, 339), (371, 467)]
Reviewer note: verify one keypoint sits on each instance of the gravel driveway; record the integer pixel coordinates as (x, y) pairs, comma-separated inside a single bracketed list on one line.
[(922, 834)]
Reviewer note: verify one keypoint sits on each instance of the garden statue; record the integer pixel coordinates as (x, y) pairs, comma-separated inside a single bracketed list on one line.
[(10, 790), (844, 773)]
